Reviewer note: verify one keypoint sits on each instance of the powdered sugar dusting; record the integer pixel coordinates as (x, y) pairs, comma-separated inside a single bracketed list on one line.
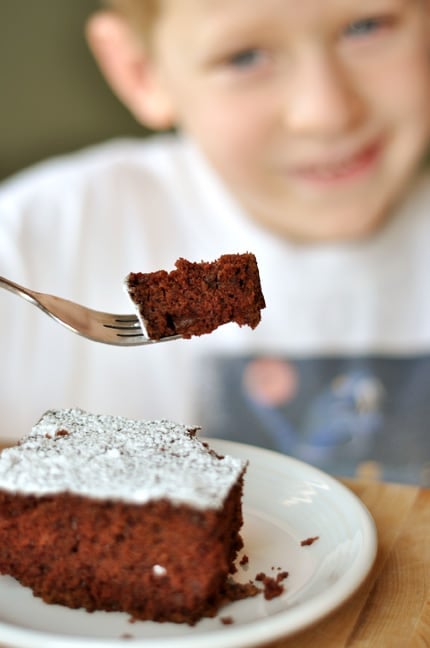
[(112, 457), (158, 570)]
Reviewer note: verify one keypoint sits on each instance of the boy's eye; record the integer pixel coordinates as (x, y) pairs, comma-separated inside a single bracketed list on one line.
[(246, 58), (364, 27)]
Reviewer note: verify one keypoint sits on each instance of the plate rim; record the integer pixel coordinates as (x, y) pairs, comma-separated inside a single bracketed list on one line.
[(271, 628)]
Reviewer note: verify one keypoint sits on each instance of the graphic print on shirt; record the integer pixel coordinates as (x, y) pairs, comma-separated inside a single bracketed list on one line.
[(345, 415)]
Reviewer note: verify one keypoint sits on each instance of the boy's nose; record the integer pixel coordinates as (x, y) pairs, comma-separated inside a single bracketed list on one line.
[(322, 99)]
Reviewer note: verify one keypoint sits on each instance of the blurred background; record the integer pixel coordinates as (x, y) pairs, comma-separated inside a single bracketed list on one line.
[(52, 97)]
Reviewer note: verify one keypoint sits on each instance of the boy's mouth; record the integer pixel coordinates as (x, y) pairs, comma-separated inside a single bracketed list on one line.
[(333, 171)]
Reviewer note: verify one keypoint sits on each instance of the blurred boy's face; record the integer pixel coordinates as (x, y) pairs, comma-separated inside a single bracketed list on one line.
[(314, 112)]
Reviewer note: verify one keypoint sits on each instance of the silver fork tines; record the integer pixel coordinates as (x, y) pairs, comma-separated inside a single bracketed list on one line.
[(108, 328)]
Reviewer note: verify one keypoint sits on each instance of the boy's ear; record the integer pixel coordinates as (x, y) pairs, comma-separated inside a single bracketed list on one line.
[(128, 69)]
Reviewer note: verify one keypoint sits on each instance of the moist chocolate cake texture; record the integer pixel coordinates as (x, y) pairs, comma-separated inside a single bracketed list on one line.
[(197, 297), (108, 513)]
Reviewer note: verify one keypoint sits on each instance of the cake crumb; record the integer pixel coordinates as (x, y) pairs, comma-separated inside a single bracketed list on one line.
[(244, 560), (61, 433), (272, 586), (127, 635), (234, 591), (282, 576), (227, 620), (309, 541)]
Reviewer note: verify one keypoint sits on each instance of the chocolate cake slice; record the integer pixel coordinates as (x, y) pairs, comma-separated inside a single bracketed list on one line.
[(107, 513), (196, 298)]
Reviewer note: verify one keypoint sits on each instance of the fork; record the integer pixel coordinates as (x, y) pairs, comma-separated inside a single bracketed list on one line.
[(108, 328)]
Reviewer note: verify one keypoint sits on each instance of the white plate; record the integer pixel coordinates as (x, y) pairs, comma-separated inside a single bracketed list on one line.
[(285, 501)]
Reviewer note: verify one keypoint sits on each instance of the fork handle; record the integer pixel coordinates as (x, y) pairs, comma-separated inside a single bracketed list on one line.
[(13, 287)]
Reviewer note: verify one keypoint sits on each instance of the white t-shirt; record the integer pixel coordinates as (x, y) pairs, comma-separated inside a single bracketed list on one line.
[(76, 226)]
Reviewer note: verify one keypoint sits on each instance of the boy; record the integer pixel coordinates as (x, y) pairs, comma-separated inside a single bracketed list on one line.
[(302, 130)]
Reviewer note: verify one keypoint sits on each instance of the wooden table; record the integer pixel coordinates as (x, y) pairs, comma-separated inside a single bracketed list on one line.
[(392, 607)]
